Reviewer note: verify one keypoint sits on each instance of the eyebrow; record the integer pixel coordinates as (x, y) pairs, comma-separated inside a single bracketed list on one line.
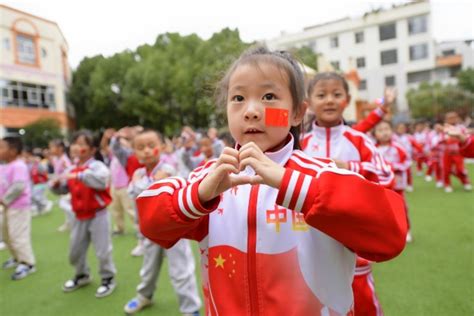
[(267, 85)]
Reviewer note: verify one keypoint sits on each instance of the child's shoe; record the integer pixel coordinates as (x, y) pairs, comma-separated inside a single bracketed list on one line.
[(3, 246), (468, 187), (139, 250), (10, 263), (77, 282), (448, 189), (106, 288), (22, 271), (136, 304)]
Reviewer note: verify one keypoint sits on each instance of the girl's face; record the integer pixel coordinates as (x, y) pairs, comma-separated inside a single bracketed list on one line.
[(147, 148), (205, 146), (83, 150), (252, 90), (328, 100), (383, 133)]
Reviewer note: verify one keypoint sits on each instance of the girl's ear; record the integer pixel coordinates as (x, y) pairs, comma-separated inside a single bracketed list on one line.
[(299, 115)]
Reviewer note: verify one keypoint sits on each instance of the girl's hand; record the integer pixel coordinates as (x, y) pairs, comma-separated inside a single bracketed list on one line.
[(160, 175), (341, 164), (223, 176), (267, 171), (390, 94)]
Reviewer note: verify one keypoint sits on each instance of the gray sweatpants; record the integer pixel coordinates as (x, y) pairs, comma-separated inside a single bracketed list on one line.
[(38, 196), (65, 204), (181, 271), (96, 230)]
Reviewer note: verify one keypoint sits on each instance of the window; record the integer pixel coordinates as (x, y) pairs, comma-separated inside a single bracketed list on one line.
[(417, 24), (448, 52), (334, 42), (312, 45), (419, 76), (387, 31), (360, 61), (388, 57), (363, 85), (6, 44), (419, 51), (26, 50), (335, 64), (44, 52), (359, 37), (453, 71), (390, 81), (22, 94)]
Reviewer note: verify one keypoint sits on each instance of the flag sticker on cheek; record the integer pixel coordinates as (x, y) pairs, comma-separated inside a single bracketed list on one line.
[(276, 117), (156, 152)]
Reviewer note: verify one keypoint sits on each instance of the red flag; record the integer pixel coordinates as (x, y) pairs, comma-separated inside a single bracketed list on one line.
[(276, 117)]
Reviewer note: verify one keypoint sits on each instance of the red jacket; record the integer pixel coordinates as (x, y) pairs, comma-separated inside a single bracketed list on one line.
[(467, 148), (89, 191), (37, 174), (286, 251)]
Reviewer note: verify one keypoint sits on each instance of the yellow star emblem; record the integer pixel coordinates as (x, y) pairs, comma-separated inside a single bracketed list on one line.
[(219, 261)]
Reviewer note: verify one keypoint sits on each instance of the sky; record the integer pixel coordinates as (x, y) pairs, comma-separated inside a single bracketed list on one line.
[(105, 27)]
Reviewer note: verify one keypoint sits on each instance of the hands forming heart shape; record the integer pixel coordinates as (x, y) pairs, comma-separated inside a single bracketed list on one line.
[(232, 169)]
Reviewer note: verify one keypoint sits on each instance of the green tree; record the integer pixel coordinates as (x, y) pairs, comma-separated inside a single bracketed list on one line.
[(40, 132), (307, 56), (431, 101), (466, 79)]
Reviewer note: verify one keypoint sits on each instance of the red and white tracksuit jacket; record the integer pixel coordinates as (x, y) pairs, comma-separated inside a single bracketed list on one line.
[(397, 156), (467, 148), (370, 121), (344, 143), (286, 251)]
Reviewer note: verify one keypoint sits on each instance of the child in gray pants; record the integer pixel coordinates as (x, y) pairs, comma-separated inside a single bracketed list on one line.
[(87, 182), (181, 261)]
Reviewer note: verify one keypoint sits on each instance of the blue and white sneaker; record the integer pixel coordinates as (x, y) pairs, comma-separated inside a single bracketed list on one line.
[(192, 314), (136, 304), (22, 271)]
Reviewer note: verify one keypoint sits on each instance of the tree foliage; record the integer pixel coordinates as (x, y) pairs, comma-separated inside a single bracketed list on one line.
[(163, 86), (40, 132)]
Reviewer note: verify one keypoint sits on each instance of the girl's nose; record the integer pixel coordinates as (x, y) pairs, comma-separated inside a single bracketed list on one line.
[(253, 112)]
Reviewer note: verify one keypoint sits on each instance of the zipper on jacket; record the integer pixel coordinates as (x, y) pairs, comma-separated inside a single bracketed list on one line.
[(252, 250), (328, 142)]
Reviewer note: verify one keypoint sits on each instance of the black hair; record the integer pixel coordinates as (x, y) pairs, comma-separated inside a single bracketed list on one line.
[(327, 76), (14, 143), (58, 143), (90, 139), (282, 60), (149, 130)]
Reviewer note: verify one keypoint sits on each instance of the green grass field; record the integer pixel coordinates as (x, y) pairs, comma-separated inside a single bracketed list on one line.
[(433, 276)]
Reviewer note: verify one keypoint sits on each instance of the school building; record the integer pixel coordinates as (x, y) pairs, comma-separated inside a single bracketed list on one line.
[(386, 47), (34, 71)]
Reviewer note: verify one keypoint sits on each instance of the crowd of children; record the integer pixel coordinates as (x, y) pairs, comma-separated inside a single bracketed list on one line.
[(276, 209)]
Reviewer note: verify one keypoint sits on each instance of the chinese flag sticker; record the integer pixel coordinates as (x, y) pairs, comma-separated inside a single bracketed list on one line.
[(276, 117)]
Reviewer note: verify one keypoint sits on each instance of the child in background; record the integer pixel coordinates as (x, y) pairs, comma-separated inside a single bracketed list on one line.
[(87, 181), (275, 226), (434, 159), (147, 146), (328, 96), (61, 163), (15, 199), (453, 161), (421, 137), (398, 158), (217, 144), (411, 146), (207, 150), (39, 177)]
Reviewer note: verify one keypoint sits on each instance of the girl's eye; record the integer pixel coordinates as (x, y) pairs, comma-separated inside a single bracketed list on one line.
[(269, 97), (320, 96), (237, 98)]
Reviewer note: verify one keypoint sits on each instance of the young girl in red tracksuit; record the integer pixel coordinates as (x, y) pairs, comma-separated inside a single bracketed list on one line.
[(328, 95), (399, 159), (277, 229)]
